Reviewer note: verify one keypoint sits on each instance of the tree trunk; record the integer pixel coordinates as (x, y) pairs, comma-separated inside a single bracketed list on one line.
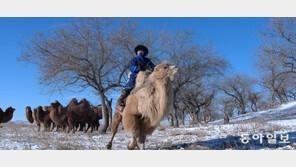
[(105, 114), (183, 118), (191, 119), (195, 118), (226, 119), (109, 108), (243, 107), (176, 116), (171, 119), (272, 101)]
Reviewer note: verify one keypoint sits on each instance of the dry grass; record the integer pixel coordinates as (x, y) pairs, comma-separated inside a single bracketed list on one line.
[(29, 138), (162, 127), (198, 132), (175, 132)]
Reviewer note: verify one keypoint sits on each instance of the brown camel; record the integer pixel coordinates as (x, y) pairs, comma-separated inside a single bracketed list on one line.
[(29, 114), (98, 115), (34, 115), (78, 112), (148, 106), (43, 117), (58, 115), (7, 115), (95, 116)]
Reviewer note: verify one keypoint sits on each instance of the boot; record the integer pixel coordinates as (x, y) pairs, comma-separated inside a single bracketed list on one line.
[(125, 92)]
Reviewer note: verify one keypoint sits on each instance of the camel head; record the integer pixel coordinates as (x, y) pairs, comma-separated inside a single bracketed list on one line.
[(10, 109), (56, 104), (39, 108), (28, 108), (164, 70), (45, 108)]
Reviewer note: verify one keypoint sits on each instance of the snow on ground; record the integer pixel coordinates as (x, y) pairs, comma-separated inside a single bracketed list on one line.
[(283, 112), (212, 136)]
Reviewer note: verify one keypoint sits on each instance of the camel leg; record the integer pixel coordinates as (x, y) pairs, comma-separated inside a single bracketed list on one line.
[(141, 141), (132, 144), (88, 126), (92, 128), (38, 125), (117, 118), (45, 127), (71, 125), (132, 125), (69, 129), (97, 126), (53, 126), (73, 128), (78, 125)]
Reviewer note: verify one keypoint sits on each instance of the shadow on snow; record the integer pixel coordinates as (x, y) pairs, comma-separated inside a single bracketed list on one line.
[(234, 143)]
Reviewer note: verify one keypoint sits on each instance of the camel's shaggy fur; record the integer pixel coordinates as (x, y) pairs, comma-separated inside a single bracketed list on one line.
[(34, 115), (79, 112), (7, 115), (43, 117), (147, 107), (58, 114)]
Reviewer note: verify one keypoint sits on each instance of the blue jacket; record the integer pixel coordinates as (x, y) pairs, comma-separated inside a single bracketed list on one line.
[(135, 66)]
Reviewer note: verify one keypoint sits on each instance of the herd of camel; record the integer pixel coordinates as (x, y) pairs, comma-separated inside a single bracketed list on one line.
[(144, 109), (75, 114)]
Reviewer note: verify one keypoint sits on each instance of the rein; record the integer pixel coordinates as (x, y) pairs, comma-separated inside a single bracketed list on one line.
[(135, 90)]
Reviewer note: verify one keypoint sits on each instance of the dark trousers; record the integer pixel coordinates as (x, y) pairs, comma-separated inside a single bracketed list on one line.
[(131, 82)]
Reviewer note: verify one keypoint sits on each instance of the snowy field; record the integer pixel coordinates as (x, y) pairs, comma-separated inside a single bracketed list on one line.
[(260, 127)]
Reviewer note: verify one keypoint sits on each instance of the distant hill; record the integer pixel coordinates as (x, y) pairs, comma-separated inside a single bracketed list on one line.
[(18, 122)]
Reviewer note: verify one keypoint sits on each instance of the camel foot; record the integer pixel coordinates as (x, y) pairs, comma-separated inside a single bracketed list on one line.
[(132, 146), (109, 146)]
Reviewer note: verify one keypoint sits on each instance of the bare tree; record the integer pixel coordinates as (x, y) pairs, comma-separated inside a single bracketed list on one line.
[(195, 61), (89, 53), (254, 97), (279, 40), (238, 87), (276, 58)]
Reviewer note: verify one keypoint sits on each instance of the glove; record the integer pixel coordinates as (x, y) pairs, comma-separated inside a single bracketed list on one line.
[(142, 66)]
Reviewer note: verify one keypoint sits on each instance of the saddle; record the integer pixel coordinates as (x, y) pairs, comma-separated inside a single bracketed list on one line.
[(119, 108)]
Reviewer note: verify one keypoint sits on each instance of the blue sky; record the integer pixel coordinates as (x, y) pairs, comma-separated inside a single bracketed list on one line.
[(234, 39)]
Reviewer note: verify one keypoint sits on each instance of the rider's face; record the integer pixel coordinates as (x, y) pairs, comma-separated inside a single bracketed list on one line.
[(140, 52)]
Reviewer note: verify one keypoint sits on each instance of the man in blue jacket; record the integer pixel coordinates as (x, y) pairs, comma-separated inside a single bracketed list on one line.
[(137, 64)]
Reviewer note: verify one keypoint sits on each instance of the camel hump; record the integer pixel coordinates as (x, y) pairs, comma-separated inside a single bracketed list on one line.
[(55, 104), (74, 101), (10, 109), (84, 101)]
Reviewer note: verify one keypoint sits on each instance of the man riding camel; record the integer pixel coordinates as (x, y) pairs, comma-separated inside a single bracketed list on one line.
[(137, 64)]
